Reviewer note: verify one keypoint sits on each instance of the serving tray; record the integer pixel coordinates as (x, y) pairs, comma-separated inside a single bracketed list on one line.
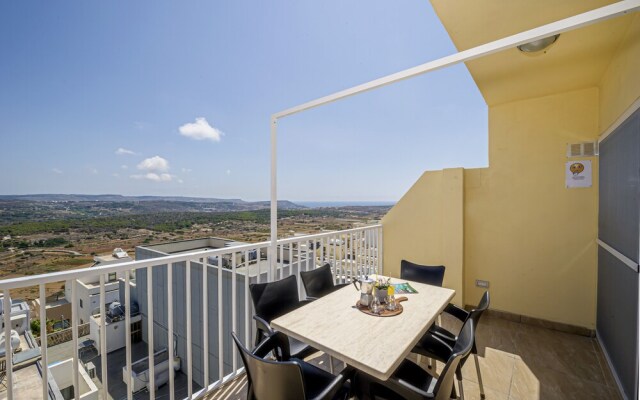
[(385, 312)]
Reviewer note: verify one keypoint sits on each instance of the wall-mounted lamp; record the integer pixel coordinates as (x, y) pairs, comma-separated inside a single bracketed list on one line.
[(538, 45)]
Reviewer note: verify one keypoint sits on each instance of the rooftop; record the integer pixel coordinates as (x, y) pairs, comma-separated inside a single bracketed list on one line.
[(186, 246)]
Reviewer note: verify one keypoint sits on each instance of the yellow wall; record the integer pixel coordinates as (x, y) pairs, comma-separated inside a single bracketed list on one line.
[(426, 227), (514, 223), (620, 85), (525, 232)]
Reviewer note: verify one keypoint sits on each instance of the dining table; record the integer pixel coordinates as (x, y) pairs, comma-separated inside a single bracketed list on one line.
[(373, 344)]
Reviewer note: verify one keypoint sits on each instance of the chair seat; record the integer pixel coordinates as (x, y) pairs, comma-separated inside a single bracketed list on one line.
[(299, 349), (316, 380), (443, 334), (432, 346), (414, 378)]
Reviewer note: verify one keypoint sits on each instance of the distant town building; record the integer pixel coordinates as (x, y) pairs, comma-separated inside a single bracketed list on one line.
[(117, 256), (55, 310), (20, 315), (115, 327), (88, 289)]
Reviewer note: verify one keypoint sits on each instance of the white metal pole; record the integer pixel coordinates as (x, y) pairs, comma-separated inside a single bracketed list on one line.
[(274, 195), (564, 25)]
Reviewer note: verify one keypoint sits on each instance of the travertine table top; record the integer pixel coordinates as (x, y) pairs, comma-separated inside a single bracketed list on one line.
[(375, 345)]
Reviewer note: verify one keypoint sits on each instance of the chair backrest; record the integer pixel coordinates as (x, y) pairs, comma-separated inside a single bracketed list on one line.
[(429, 274), (477, 312), (461, 350), (318, 282), (270, 379), (274, 299)]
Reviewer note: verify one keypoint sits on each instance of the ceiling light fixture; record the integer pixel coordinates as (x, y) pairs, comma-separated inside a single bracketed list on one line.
[(538, 45)]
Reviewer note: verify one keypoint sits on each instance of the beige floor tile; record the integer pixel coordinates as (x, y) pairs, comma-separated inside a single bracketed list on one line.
[(542, 348), (497, 334), (549, 384), (472, 392), (525, 385), (496, 368)]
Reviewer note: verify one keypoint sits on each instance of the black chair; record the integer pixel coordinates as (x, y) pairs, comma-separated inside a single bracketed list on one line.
[(410, 381), (429, 274), (438, 343), (288, 378), (319, 282), (272, 300)]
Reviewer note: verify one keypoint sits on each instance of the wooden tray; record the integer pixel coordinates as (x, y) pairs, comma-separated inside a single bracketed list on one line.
[(385, 312)]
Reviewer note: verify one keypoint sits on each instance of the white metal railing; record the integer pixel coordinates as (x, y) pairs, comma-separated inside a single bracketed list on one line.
[(223, 288)]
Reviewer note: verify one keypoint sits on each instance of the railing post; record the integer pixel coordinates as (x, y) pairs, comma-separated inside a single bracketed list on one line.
[(74, 333), (127, 316), (8, 354), (43, 341), (103, 338), (170, 344)]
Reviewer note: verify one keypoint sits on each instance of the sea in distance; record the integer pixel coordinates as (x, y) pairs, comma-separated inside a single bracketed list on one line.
[(318, 204)]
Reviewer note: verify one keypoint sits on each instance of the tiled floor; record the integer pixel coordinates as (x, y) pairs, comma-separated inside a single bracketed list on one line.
[(517, 362)]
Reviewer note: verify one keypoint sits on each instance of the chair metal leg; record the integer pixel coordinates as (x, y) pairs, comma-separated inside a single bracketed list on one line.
[(331, 364), (434, 365), (461, 391), (475, 358), (419, 359)]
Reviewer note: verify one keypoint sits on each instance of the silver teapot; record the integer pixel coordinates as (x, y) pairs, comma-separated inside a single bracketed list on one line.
[(365, 288)]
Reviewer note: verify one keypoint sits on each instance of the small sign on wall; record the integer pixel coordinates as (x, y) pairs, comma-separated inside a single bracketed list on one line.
[(578, 174)]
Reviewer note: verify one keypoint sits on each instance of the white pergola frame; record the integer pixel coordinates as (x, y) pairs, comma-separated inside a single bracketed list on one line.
[(564, 25)]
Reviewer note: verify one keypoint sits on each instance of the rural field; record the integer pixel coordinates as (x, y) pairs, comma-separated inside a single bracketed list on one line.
[(41, 236)]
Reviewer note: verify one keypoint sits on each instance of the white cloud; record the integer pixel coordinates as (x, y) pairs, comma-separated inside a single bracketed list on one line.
[(93, 171), (115, 175), (201, 130), (152, 176), (124, 166), (155, 164), (57, 171), (228, 172), (180, 181), (123, 152), (186, 170)]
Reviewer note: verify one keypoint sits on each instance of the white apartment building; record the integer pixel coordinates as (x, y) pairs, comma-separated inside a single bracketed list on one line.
[(88, 289)]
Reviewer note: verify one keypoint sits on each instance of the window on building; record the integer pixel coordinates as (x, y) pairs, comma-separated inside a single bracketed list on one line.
[(136, 331), (112, 277), (80, 303)]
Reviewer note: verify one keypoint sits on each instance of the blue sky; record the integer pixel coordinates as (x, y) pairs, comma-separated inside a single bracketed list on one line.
[(81, 79)]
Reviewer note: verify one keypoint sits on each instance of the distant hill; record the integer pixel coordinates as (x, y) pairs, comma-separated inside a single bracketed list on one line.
[(114, 197), (45, 207), (286, 204)]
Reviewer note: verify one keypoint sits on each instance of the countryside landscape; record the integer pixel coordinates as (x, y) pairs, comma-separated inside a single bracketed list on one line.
[(49, 233)]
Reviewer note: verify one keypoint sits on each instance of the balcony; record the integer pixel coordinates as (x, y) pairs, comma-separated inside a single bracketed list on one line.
[(519, 359), (560, 261)]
